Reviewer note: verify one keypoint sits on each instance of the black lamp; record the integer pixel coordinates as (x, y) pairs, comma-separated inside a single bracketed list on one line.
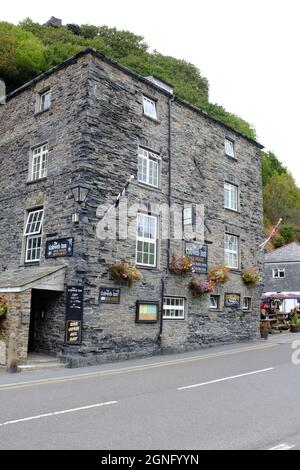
[(80, 190)]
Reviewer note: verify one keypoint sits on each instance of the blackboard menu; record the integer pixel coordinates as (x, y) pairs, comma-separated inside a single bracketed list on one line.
[(59, 248), (74, 311), (199, 255), (109, 296)]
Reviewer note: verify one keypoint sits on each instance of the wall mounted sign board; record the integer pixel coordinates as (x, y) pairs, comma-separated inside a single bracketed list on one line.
[(199, 255), (109, 296), (62, 247), (74, 313)]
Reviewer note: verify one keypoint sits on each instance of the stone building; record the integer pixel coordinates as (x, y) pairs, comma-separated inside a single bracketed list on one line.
[(69, 142)]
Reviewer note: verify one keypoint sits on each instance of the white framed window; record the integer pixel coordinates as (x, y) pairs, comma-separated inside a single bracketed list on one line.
[(45, 100), (247, 303), (146, 245), (229, 148), (174, 308), (230, 196), (188, 215), (214, 302), (149, 107), (33, 234), (279, 273), (231, 251), (148, 167), (39, 162)]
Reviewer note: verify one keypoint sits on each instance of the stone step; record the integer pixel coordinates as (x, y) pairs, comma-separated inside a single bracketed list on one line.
[(42, 365)]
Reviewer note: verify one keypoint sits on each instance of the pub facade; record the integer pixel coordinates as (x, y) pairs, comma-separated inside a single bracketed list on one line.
[(117, 200)]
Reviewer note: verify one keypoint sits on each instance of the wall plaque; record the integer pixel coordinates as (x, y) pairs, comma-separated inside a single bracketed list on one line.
[(199, 255), (74, 312), (59, 248), (109, 296), (232, 300)]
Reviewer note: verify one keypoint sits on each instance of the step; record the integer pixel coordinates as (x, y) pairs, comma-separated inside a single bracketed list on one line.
[(40, 366)]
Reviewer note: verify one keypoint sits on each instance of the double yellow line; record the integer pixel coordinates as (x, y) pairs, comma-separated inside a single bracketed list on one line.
[(125, 370)]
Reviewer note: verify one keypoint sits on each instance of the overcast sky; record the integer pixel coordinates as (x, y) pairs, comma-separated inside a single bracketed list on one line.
[(248, 50)]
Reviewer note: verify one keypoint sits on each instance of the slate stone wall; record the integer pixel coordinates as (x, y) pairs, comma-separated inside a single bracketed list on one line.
[(94, 129)]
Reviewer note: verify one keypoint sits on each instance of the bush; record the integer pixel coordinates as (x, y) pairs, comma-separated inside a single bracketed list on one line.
[(251, 277), (288, 233)]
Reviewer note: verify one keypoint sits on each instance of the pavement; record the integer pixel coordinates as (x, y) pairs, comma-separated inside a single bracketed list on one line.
[(239, 396)]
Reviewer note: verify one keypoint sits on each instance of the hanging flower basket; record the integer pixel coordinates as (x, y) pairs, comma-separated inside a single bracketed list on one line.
[(251, 277), (182, 265), (125, 272), (219, 274), (199, 286), (3, 307)]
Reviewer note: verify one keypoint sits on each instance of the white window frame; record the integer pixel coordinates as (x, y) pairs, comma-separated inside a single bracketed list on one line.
[(231, 253), (231, 196), (148, 238), (44, 103), (277, 272), (39, 162), (188, 215), (33, 234), (149, 107), (174, 308), (247, 303), (212, 305), (148, 168), (229, 148)]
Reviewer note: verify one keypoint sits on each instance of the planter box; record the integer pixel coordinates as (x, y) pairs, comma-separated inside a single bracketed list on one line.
[(295, 328)]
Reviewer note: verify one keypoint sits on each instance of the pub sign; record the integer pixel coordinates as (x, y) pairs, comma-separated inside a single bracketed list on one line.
[(74, 313), (59, 248), (199, 255)]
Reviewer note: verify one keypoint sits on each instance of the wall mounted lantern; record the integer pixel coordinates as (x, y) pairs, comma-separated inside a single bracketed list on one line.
[(80, 191)]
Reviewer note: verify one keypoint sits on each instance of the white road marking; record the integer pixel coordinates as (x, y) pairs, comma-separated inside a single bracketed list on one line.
[(55, 413), (226, 378), (283, 447)]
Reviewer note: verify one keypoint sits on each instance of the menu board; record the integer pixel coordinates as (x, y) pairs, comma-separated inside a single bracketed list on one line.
[(109, 296), (74, 312), (199, 255)]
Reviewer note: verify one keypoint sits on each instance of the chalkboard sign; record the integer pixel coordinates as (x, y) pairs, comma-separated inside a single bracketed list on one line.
[(59, 248), (109, 296), (199, 255), (74, 311)]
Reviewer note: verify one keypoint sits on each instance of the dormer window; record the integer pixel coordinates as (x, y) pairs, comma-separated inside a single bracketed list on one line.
[(149, 107)]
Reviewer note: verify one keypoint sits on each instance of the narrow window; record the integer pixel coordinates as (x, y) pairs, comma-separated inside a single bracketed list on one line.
[(231, 251), (174, 308), (247, 303), (278, 273), (45, 100), (230, 196), (33, 234), (214, 301), (149, 107), (146, 246), (148, 168), (229, 148), (39, 162)]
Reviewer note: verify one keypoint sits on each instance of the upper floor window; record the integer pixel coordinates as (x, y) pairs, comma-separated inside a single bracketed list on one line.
[(148, 168), (229, 148), (231, 251), (279, 273), (39, 162), (149, 107), (230, 196), (45, 100), (146, 246), (33, 234), (247, 303)]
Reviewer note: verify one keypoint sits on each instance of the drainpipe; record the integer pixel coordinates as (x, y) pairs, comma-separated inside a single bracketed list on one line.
[(166, 274)]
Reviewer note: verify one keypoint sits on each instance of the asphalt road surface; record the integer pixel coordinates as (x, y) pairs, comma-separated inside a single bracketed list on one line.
[(242, 396)]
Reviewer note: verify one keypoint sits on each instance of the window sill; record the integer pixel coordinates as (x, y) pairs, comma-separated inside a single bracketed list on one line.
[(31, 263), (149, 268), (233, 210), (148, 186), (231, 157), (40, 180), (151, 118), (37, 113), (173, 319)]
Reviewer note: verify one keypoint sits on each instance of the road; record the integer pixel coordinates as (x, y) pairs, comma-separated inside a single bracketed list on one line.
[(242, 396)]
